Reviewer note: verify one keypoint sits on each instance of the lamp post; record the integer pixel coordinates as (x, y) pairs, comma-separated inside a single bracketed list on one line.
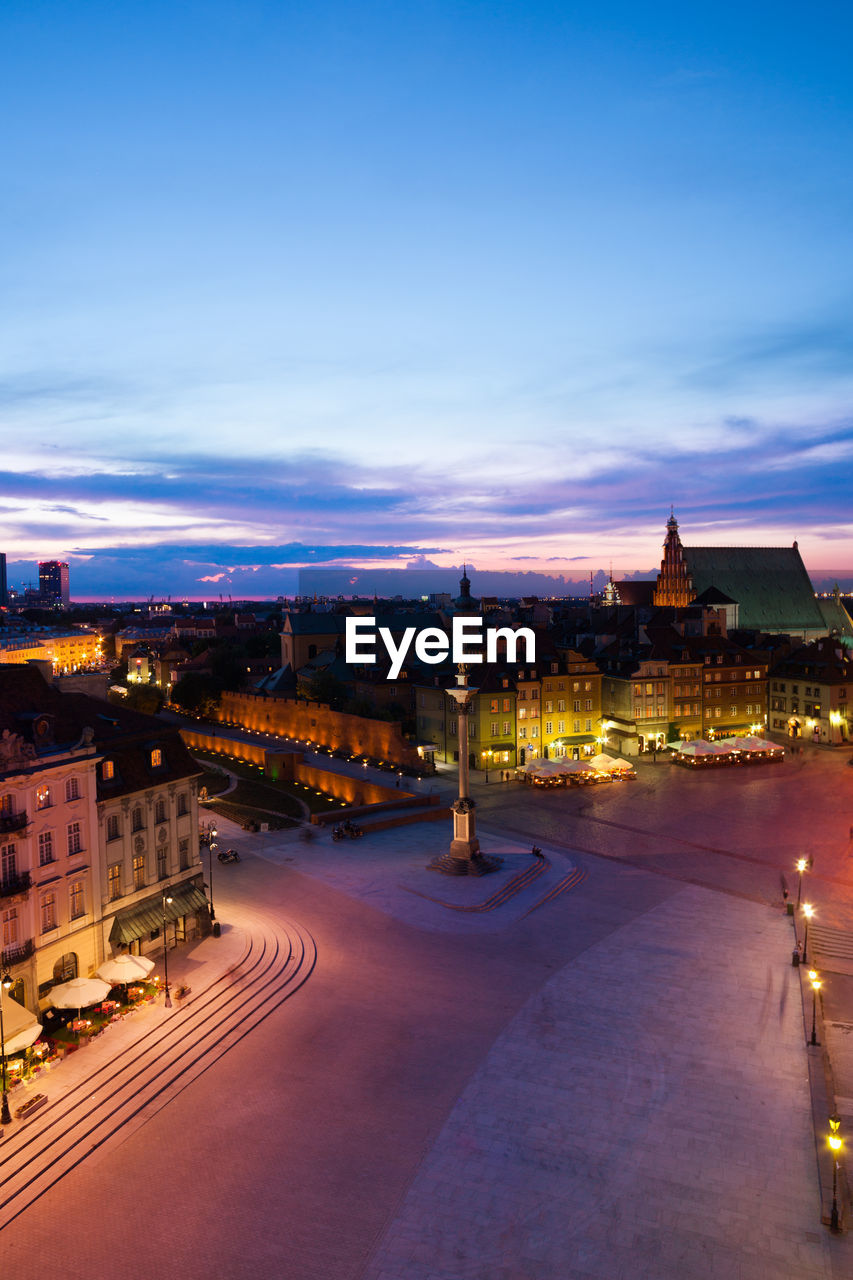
[(835, 1144), (210, 847), (166, 899), (808, 912), (801, 866), (816, 985), (5, 1113)]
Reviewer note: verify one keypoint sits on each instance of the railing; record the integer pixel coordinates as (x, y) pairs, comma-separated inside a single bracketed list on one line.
[(13, 822), (17, 953), (10, 885)]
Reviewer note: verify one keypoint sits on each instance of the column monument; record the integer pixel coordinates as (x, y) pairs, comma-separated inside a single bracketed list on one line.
[(464, 857)]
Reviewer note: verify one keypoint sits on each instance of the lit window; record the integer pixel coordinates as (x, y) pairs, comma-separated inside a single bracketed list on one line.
[(114, 881), (139, 871), (45, 848), (108, 770), (75, 894), (43, 800), (156, 758), (48, 911)]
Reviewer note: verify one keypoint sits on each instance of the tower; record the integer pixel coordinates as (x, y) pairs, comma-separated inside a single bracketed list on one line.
[(674, 584)]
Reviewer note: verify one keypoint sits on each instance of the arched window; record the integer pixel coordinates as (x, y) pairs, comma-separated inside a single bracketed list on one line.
[(65, 968)]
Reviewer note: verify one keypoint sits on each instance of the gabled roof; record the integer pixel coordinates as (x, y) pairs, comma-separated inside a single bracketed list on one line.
[(770, 585)]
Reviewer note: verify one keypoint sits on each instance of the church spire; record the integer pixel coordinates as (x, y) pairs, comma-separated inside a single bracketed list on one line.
[(674, 584)]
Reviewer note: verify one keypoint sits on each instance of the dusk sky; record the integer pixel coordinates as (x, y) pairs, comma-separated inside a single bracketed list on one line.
[(385, 283)]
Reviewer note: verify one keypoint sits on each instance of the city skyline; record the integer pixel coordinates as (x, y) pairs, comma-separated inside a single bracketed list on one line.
[(372, 288)]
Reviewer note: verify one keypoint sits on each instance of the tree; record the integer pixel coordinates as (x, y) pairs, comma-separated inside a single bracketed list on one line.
[(196, 693)]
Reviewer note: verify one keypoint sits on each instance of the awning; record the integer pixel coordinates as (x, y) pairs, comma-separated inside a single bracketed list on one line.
[(574, 740), (147, 918)]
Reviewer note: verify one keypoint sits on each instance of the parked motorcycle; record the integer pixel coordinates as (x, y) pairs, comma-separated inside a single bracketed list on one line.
[(228, 855)]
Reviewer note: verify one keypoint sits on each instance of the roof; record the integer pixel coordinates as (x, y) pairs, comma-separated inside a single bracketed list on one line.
[(770, 585)]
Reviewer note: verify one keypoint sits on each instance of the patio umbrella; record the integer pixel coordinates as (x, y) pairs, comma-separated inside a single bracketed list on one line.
[(20, 1026), (79, 993), (125, 968)]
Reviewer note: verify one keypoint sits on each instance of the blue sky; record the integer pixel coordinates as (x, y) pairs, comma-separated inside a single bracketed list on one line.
[(424, 281)]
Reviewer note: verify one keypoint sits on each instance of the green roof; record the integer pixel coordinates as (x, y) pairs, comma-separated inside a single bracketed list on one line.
[(770, 585)]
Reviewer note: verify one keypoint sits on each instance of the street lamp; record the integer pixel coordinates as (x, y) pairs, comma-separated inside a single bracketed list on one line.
[(210, 847), (816, 985), (5, 1113), (801, 866), (835, 1144), (808, 912), (166, 900)]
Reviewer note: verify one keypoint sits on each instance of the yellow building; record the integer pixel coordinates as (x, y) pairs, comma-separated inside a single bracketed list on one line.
[(65, 650), (571, 707)]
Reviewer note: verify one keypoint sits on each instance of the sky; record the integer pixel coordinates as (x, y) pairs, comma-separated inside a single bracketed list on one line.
[(424, 283)]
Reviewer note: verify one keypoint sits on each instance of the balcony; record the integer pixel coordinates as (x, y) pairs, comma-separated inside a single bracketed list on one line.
[(18, 883), (17, 953), (10, 822)]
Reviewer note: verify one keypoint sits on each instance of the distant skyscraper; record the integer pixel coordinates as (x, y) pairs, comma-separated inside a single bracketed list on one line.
[(53, 582), (4, 599)]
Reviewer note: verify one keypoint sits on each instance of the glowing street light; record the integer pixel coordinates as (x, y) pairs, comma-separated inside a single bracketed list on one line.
[(5, 1113), (808, 912), (801, 866), (835, 1145), (166, 900)]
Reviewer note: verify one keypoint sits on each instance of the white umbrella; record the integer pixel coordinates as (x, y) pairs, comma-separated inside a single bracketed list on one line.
[(20, 1026), (125, 968), (79, 993), (697, 748)]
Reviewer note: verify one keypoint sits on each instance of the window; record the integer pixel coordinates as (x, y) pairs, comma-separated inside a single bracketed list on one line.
[(561, 704), (507, 727), (522, 713), (576, 705), (108, 770), (534, 693), (156, 758), (43, 800), (453, 728), (160, 811), (587, 706), (732, 710), (75, 843), (162, 858), (522, 733), (8, 864), (507, 702), (549, 705), (113, 827), (495, 705), (10, 927), (534, 732), (75, 896), (588, 726), (139, 871), (494, 728), (46, 854), (587, 684), (5, 806), (114, 881), (184, 853), (137, 821), (183, 804), (548, 726), (72, 790), (576, 726), (48, 911)]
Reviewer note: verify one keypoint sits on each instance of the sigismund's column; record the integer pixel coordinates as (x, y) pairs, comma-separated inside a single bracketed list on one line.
[(464, 845), (464, 857)]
